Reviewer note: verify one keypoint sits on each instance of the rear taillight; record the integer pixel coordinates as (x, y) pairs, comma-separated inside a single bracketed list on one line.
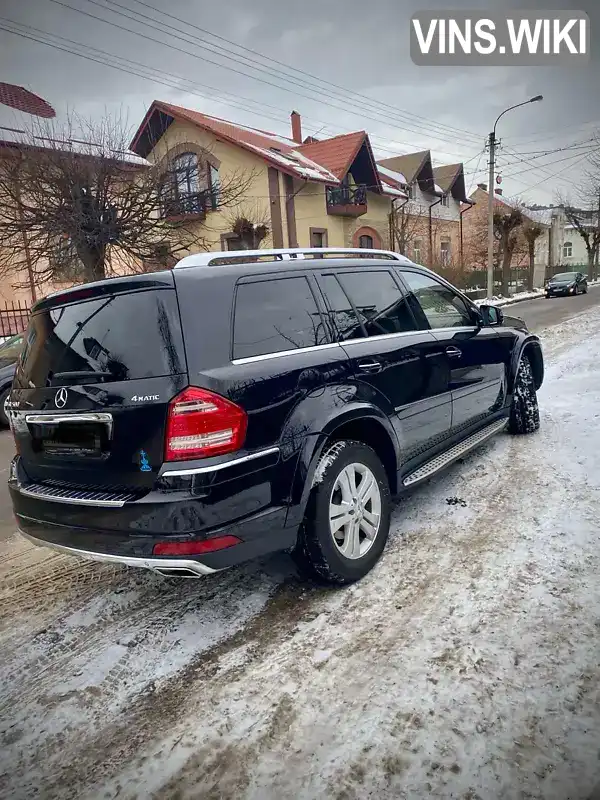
[(201, 423)]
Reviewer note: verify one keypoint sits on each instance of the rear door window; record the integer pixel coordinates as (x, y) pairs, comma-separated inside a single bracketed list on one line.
[(343, 315), (112, 338), (379, 302), (275, 315)]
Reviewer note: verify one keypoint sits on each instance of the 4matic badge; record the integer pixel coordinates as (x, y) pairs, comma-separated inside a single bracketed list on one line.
[(144, 398)]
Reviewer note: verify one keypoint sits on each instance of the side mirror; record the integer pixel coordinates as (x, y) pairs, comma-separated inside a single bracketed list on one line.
[(492, 315)]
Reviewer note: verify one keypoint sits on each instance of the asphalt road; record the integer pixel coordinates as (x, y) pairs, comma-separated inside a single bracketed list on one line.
[(538, 314), (542, 313)]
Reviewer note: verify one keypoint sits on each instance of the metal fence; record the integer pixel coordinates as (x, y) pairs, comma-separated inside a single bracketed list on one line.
[(14, 318)]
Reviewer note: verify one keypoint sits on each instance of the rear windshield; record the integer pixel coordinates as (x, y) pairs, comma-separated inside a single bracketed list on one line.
[(112, 338)]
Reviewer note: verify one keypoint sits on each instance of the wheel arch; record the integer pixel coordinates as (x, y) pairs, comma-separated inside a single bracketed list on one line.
[(533, 350), (362, 423)]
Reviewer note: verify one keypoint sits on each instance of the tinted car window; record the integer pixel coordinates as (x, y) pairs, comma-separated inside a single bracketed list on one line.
[(379, 302), (342, 313), (120, 337), (10, 350), (275, 315), (441, 307)]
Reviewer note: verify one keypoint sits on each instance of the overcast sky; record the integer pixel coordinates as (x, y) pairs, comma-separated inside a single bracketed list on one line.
[(361, 46)]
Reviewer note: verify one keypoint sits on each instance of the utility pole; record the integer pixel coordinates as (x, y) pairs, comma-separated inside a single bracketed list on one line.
[(490, 256), (492, 143)]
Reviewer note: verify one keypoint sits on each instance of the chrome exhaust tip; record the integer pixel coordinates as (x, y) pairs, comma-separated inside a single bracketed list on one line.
[(177, 572)]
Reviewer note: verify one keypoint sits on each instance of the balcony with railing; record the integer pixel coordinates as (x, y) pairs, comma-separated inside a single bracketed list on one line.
[(347, 201), (191, 206)]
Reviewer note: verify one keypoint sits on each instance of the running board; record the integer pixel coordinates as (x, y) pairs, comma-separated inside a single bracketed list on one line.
[(444, 459)]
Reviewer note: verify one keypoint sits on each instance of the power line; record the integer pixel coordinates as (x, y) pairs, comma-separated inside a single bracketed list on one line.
[(362, 97), (138, 69), (223, 65), (475, 173), (588, 149), (555, 175), (551, 163), (551, 134)]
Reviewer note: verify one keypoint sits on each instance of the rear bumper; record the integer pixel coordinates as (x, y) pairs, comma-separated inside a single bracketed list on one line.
[(173, 567), (259, 535), (193, 508)]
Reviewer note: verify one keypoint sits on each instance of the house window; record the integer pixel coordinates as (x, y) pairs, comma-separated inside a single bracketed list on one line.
[(568, 250), (185, 171), (410, 191), (214, 185), (318, 237), (190, 187), (365, 241), (417, 245), (445, 200), (445, 253)]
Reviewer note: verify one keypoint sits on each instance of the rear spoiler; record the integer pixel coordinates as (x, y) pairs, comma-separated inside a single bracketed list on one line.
[(110, 286)]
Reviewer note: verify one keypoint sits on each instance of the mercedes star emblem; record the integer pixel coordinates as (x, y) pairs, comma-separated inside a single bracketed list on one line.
[(60, 399)]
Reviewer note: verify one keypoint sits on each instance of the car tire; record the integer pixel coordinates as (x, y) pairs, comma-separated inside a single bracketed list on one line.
[(340, 554), (524, 410), (3, 418)]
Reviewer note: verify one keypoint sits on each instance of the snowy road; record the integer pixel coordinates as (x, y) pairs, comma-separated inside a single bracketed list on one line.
[(466, 665)]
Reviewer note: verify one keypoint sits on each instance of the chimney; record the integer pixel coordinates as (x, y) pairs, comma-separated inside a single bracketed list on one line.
[(482, 186), (296, 127)]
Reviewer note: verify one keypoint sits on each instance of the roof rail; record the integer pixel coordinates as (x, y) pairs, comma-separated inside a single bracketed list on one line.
[(282, 254)]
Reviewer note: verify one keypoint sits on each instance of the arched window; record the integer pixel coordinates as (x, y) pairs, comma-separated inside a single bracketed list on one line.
[(568, 250), (191, 186), (186, 174), (365, 241)]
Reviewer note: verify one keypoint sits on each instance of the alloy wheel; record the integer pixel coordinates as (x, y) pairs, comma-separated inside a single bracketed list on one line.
[(355, 511)]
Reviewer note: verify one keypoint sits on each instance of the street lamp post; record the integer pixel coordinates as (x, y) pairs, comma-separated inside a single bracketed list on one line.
[(492, 146)]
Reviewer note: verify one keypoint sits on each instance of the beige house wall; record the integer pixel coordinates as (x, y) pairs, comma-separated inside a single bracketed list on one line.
[(233, 160)]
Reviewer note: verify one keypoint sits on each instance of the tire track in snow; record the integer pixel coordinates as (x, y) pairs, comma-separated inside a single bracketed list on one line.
[(337, 686)]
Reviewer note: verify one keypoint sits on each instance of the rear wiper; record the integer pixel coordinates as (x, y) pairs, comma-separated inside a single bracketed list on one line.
[(84, 374)]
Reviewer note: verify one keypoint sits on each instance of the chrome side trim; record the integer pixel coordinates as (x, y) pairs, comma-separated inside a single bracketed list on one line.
[(348, 342), (458, 329), (281, 353), (446, 458), (173, 473), (154, 564), (381, 336), (78, 497)]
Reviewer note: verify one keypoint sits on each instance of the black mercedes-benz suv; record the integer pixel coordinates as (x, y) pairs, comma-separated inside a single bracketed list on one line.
[(245, 403)]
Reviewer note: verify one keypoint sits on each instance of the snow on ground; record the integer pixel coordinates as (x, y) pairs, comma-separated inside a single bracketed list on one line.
[(519, 297), (466, 665)]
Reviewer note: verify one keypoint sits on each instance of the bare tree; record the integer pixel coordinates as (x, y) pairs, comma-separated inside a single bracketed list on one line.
[(532, 232), (77, 205), (585, 220), (250, 224), (405, 228), (506, 230)]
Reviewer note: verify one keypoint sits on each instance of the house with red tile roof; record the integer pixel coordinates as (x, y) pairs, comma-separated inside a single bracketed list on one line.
[(329, 192)]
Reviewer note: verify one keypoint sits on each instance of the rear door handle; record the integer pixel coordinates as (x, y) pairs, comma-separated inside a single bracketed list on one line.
[(370, 366), (453, 352)]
